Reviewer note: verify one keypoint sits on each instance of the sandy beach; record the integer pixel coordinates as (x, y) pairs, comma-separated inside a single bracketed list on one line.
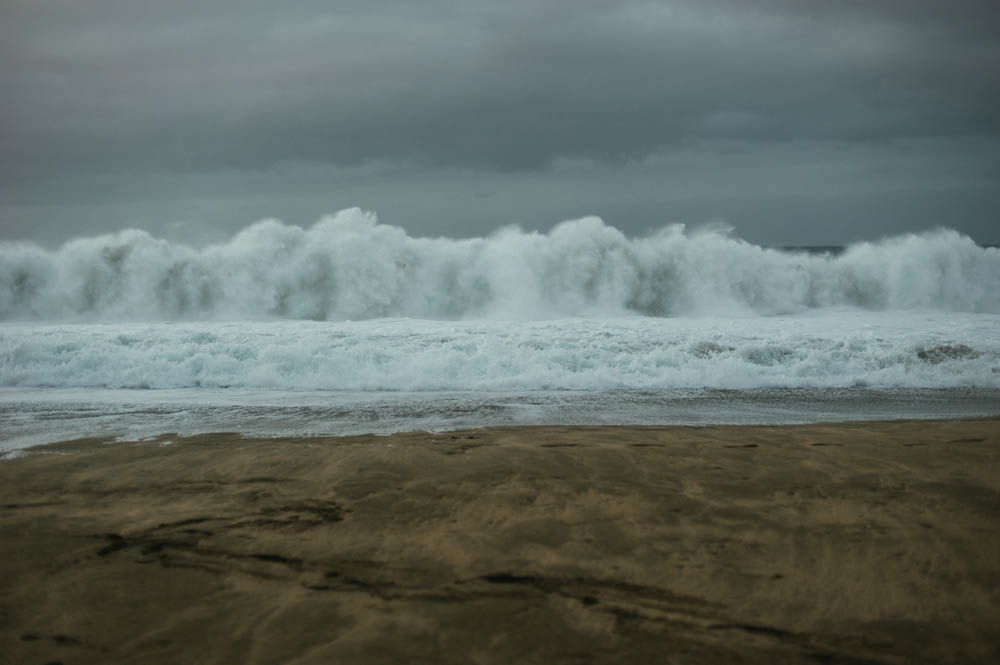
[(846, 543)]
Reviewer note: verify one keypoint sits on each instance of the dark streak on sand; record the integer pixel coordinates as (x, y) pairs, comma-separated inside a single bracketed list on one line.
[(529, 545)]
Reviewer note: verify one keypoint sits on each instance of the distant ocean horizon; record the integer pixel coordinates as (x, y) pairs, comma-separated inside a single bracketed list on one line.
[(834, 250), (351, 326)]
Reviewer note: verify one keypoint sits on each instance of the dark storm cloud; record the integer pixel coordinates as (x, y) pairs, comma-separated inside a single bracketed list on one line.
[(110, 86)]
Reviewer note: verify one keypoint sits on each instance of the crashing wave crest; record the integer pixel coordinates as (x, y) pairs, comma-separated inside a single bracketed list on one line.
[(349, 267)]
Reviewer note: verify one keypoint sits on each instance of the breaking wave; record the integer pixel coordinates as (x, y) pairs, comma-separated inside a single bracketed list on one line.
[(349, 267)]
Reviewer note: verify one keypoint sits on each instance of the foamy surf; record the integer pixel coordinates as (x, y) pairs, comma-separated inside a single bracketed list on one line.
[(351, 326), (833, 349), (349, 267)]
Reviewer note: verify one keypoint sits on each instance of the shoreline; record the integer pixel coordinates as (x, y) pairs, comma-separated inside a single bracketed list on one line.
[(42, 417), (869, 541)]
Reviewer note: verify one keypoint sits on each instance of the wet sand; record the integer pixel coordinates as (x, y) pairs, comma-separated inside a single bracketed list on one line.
[(846, 543)]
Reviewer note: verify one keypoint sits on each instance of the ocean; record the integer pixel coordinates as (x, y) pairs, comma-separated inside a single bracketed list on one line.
[(352, 326)]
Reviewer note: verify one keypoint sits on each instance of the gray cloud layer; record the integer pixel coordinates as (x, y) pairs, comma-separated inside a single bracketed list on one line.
[(121, 87)]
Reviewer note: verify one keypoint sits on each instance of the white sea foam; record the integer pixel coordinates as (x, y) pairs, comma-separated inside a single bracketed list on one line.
[(817, 349), (349, 267)]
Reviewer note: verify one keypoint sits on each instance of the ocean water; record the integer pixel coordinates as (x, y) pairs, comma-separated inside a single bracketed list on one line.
[(351, 326)]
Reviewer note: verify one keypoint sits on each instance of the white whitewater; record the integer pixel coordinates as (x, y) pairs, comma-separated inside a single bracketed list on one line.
[(349, 267), (351, 326), (829, 349)]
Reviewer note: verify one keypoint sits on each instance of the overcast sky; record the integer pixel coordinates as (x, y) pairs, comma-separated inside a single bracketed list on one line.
[(795, 121)]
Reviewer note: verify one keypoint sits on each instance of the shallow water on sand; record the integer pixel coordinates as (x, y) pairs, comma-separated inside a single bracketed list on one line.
[(38, 416)]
